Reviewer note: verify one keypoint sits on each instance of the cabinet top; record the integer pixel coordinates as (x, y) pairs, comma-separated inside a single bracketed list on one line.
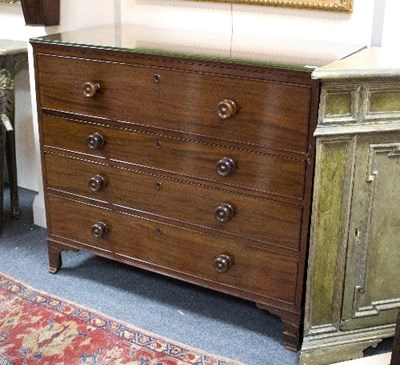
[(245, 48), (8, 47), (370, 62)]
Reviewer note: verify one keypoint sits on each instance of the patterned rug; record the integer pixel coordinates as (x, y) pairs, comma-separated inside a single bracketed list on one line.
[(38, 328)]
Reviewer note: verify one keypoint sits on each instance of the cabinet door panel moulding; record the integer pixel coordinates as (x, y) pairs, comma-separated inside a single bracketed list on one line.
[(331, 209), (351, 297), (376, 199)]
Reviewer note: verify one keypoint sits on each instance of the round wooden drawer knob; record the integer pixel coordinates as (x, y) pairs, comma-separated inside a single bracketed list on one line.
[(96, 183), (95, 141), (226, 109), (224, 212), (222, 263), (99, 230), (225, 166), (90, 89)]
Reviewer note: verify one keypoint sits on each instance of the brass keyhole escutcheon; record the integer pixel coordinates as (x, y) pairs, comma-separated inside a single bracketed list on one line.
[(156, 78)]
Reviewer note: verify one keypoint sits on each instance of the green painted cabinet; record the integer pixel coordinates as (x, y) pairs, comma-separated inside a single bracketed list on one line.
[(372, 286), (353, 285)]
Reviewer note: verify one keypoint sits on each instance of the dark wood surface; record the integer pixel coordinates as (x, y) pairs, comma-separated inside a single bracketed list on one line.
[(257, 170), (256, 273), (179, 199), (130, 92), (157, 116)]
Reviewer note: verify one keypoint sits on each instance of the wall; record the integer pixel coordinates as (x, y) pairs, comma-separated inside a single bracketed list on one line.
[(370, 22), (391, 28), (250, 20)]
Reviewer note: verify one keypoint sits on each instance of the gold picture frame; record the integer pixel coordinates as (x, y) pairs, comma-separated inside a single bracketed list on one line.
[(345, 6), (331, 5)]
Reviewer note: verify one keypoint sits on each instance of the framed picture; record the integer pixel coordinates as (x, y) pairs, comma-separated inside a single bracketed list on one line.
[(41, 12), (330, 5)]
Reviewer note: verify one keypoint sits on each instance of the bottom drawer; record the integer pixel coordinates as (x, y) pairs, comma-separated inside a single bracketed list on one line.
[(178, 251)]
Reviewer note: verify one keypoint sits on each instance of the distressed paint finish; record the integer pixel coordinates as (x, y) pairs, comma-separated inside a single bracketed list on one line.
[(331, 179), (335, 354), (352, 300), (338, 104), (374, 258), (388, 101)]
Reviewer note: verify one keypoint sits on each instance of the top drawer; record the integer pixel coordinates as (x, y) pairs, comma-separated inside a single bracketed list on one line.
[(258, 112)]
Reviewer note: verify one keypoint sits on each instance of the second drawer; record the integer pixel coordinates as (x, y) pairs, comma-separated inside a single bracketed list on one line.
[(262, 172)]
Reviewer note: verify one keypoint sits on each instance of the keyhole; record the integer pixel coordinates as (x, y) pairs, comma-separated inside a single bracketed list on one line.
[(157, 78)]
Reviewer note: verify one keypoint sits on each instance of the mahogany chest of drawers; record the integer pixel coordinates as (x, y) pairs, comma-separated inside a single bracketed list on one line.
[(193, 167)]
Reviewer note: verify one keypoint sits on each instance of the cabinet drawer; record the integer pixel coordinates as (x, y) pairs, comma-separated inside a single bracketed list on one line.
[(175, 250), (262, 172), (261, 219), (268, 113), (125, 92)]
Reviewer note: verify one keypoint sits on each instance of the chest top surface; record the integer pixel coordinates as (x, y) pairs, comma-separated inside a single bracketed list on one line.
[(243, 49)]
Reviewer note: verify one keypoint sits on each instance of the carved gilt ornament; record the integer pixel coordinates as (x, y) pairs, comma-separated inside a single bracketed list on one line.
[(330, 5)]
